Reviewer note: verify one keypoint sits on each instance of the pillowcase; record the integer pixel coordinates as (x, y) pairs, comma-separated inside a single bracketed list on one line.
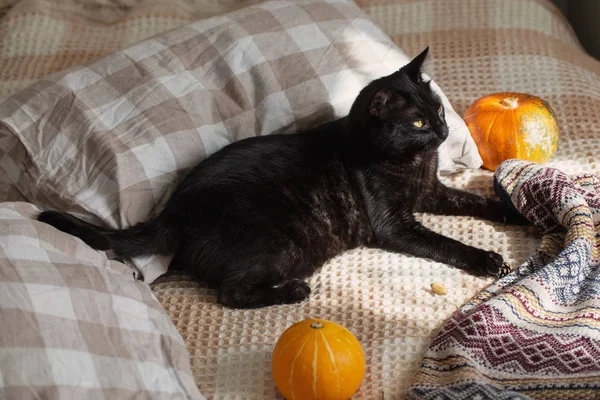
[(75, 325), (109, 140)]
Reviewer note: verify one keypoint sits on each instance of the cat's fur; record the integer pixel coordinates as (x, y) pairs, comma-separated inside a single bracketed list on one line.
[(261, 215)]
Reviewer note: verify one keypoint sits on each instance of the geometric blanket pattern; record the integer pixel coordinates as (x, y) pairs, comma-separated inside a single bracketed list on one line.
[(535, 334)]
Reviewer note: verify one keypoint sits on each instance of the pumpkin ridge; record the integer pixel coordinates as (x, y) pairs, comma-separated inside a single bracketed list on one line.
[(291, 341), (357, 352), (293, 365), (292, 329), (315, 366), (335, 370), (489, 130), (517, 137)]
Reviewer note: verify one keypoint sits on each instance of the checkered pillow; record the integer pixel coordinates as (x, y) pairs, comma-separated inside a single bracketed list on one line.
[(76, 325), (108, 140)]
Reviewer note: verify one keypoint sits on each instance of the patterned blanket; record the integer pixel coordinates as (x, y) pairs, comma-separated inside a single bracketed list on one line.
[(536, 332)]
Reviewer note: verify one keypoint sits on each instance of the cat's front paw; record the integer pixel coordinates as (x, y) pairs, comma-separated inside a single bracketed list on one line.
[(492, 264), (295, 291)]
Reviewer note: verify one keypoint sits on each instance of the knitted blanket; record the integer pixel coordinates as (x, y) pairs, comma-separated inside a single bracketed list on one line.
[(536, 332)]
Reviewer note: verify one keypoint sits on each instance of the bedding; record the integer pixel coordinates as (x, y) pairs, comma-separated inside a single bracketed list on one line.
[(108, 140), (477, 47), (534, 334), (75, 325)]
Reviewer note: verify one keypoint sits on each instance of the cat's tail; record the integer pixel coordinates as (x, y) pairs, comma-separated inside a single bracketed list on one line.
[(143, 239)]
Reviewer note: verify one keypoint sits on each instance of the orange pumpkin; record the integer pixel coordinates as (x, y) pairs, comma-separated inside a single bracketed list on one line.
[(512, 125), (317, 359)]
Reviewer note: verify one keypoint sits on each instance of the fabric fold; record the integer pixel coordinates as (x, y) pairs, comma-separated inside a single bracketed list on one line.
[(536, 332)]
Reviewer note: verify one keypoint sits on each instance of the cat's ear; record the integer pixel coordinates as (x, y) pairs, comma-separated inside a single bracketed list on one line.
[(414, 68), (384, 100)]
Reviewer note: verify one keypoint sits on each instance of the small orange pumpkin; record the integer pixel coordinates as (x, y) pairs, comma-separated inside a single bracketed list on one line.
[(512, 125), (317, 359)]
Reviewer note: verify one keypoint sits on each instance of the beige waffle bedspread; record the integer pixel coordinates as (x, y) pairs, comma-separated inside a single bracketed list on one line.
[(477, 47)]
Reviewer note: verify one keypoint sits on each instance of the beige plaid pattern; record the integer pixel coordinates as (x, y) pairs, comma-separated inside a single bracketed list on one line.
[(76, 325), (109, 139), (477, 47)]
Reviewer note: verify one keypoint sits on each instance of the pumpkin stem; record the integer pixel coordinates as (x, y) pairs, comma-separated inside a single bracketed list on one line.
[(510, 102), (316, 325)]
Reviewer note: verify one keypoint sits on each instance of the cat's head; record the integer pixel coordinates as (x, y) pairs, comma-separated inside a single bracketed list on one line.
[(400, 114)]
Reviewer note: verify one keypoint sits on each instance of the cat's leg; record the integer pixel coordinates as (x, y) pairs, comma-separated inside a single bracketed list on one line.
[(415, 239), (247, 273), (449, 201), (241, 294)]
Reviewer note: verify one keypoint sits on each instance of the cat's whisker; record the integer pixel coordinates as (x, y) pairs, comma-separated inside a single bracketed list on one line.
[(420, 179), (469, 116), (316, 287)]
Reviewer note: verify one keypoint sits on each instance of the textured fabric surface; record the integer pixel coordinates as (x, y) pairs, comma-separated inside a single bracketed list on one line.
[(477, 47), (110, 139), (535, 333), (76, 325)]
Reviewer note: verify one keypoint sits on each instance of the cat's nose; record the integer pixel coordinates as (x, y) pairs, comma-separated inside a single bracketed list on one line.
[(443, 132)]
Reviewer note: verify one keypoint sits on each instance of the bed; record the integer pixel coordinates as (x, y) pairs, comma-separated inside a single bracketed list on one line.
[(477, 47)]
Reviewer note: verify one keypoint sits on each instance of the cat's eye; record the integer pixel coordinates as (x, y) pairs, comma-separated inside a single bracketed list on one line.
[(440, 110), (418, 123)]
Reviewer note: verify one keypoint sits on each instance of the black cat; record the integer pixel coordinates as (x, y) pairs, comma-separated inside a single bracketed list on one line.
[(262, 214)]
